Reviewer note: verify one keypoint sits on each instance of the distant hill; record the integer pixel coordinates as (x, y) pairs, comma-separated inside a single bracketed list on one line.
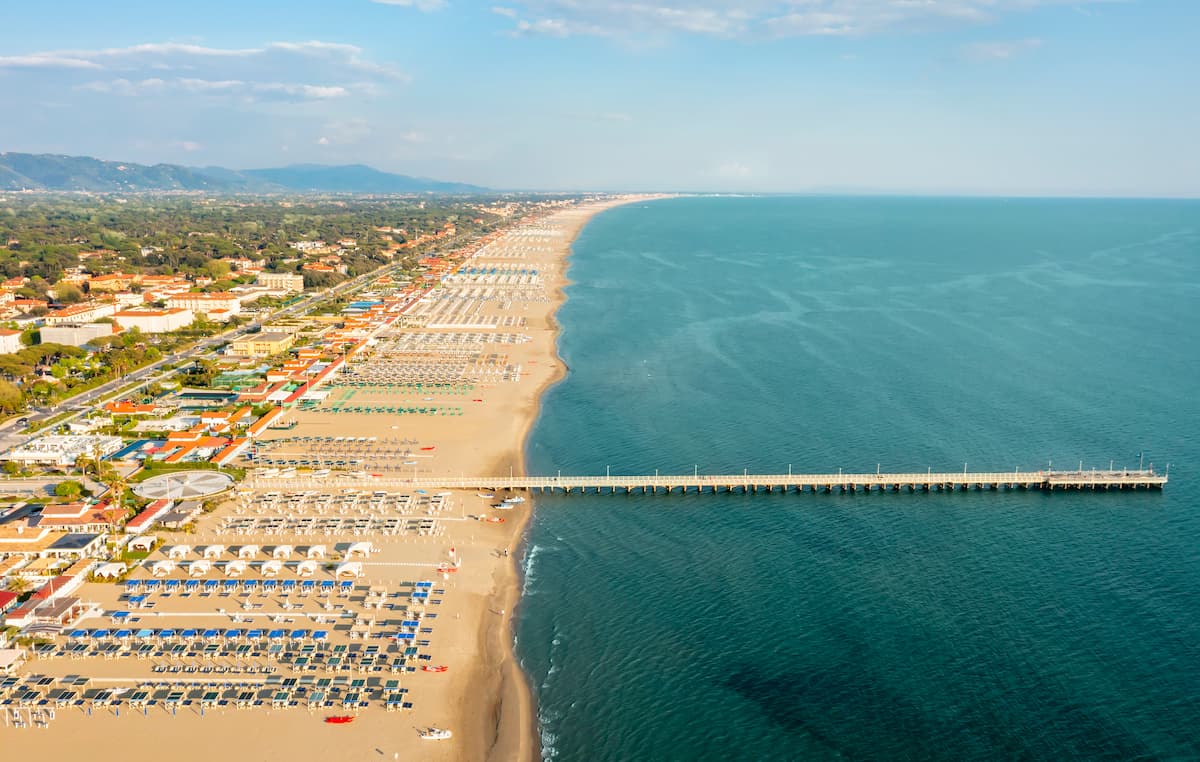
[(353, 178), (83, 173)]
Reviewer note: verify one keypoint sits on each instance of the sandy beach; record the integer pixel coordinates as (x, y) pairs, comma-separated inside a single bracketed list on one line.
[(475, 355)]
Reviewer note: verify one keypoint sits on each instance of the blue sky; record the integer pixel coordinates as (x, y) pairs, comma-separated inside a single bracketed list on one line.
[(1056, 97)]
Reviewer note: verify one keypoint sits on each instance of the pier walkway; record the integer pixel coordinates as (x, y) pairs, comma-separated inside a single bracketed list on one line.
[(745, 482)]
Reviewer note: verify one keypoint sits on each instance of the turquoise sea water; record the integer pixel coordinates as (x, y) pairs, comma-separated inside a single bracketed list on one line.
[(727, 333)]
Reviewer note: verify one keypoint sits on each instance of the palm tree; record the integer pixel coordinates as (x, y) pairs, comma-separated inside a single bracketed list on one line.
[(116, 486), (18, 585)]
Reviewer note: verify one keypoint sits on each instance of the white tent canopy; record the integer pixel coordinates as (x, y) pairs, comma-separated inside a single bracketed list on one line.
[(235, 568), (248, 551), (359, 549), (142, 542), (272, 568), (111, 571), (349, 569), (316, 551), (214, 551), (283, 552), (162, 568), (179, 551), (306, 568), (199, 568)]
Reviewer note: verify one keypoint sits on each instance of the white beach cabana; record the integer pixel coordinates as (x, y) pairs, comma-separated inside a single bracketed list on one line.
[(349, 569), (110, 571), (199, 568), (306, 568), (272, 568), (248, 551), (316, 551), (235, 568), (162, 568), (213, 552), (363, 549), (282, 552), (179, 551), (143, 542)]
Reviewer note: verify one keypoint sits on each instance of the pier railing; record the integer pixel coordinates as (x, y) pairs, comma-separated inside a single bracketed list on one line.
[(744, 482)]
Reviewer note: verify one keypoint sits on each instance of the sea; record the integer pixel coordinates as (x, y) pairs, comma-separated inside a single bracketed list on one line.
[(723, 335)]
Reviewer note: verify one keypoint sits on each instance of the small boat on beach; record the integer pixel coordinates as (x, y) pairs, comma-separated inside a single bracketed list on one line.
[(429, 448), (502, 506), (485, 495), (341, 719), (433, 668), (436, 734), (495, 519), (514, 500)]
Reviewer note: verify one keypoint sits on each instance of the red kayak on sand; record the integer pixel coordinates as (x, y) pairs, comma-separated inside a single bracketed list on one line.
[(339, 720), (428, 448), (438, 668)]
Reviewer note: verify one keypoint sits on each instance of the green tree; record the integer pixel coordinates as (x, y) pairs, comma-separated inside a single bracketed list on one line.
[(69, 488), (68, 293), (11, 399)]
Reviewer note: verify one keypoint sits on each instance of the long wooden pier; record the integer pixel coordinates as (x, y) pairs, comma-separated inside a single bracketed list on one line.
[(1142, 479)]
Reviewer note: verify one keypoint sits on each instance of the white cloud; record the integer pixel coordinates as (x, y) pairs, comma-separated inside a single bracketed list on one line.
[(424, 6), (500, 10), (245, 90), (189, 146), (322, 141), (999, 50), (734, 170), (317, 56), (47, 61), (741, 18)]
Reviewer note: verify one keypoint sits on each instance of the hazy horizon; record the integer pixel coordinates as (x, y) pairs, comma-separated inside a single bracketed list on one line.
[(1083, 98)]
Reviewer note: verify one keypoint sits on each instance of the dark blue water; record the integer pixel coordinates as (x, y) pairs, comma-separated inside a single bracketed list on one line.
[(722, 334)]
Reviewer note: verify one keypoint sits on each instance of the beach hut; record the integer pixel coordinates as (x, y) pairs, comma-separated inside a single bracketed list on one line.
[(110, 571), (316, 551), (179, 551), (362, 549), (306, 568), (282, 552), (248, 551), (143, 543), (213, 552), (162, 568), (199, 568), (349, 569), (272, 568), (235, 568)]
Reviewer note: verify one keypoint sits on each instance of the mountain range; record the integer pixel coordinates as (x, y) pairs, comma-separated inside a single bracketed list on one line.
[(52, 172)]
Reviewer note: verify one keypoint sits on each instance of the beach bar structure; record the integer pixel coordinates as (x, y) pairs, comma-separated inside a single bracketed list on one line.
[(928, 481)]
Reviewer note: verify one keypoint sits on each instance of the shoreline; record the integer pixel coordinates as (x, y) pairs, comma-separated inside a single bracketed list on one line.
[(484, 426), (518, 733)]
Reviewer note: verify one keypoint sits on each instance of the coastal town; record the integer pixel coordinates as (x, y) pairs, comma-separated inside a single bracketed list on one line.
[(169, 557)]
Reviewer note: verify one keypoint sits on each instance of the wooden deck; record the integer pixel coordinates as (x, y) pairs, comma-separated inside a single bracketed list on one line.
[(744, 482)]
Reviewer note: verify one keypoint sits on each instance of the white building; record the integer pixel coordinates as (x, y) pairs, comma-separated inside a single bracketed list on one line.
[(77, 335), (285, 281), (78, 314), (218, 305), (155, 321), (10, 341), (61, 451)]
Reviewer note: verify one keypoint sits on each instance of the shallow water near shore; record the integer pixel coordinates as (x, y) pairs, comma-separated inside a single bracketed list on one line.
[(821, 333)]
